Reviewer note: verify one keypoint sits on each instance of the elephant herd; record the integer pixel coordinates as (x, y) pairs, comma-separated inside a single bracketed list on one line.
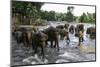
[(39, 39)]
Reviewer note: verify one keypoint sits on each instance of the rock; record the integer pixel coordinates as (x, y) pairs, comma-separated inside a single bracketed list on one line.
[(26, 61), (61, 61), (33, 62), (45, 61)]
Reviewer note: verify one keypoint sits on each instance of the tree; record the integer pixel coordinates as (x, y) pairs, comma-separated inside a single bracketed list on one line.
[(69, 15), (83, 18), (27, 10), (89, 17), (70, 8)]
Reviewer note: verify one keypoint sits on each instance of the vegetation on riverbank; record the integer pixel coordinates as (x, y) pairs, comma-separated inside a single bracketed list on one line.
[(30, 13)]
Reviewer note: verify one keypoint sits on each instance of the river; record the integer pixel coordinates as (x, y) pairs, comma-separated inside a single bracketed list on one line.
[(68, 53)]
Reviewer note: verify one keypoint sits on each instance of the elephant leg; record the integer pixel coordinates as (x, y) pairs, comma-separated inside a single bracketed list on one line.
[(24, 42), (42, 51), (62, 37), (79, 41), (51, 44), (46, 43), (57, 44), (82, 39), (35, 48), (68, 41), (17, 40)]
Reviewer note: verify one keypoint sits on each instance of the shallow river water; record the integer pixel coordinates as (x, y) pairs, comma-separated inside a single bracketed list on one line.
[(68, 52)]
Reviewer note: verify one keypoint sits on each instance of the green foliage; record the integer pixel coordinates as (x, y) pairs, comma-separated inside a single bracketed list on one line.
[(50, 16), (28, 10), (69, 15), (39, 22), (87, 18), (59, 17), (31, 13)]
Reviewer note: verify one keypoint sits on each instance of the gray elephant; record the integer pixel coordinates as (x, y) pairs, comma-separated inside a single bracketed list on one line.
[(39, 41), (71, 29), (52, 34), (92, 32)]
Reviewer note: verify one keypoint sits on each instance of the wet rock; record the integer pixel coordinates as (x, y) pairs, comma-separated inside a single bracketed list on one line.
[(33, 62), (61, 61)]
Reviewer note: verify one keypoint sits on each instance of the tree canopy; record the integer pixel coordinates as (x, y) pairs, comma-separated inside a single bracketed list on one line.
[(31, 13)]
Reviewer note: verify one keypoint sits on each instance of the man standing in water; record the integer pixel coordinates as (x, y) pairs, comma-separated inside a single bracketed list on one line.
[(80, 37), (67, 38)]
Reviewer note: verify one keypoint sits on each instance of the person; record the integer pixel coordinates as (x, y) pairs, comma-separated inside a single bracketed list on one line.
[(80, 37), (67, 38)]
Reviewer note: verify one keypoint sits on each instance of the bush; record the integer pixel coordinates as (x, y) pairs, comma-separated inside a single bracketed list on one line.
[(40, 22)]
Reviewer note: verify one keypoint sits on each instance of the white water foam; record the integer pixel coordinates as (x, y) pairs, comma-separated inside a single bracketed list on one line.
[(35, 60)]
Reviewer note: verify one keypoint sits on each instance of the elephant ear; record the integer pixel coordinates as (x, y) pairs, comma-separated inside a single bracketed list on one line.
[(44, 37)]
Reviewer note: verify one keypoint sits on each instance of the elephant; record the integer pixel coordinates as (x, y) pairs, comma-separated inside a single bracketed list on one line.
[(62, 30), (27, 37), (39, 41), (52, 34), (66, 26), (60, 27), (92, 32), (71, 29), (63, 33), (79, 27), (18, 35)]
